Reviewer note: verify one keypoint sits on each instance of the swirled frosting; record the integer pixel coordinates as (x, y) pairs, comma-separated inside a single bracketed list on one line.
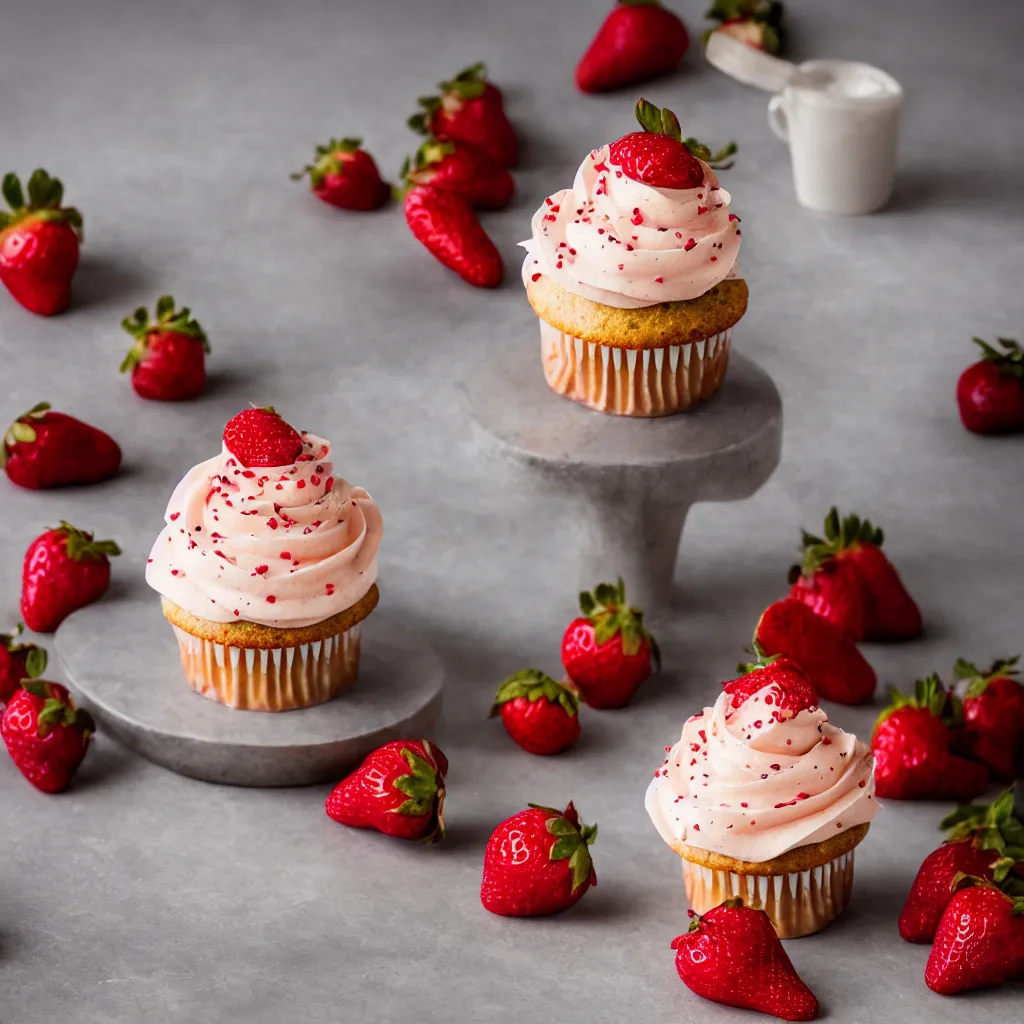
[(626, 244), (743, 783), (285, 547)]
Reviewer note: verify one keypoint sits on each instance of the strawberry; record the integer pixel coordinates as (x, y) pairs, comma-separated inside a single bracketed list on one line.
[(260, 437), (660, 156), (790, 691), (638, 41), (64, 570), (45, 734), (447, 226), (889, 611), (538, 862), (832, 593), (732, 955), (990, 393), (606, 652), (471, 110), (345, 175), (979, 942), (38, 243), (398, 790), (994, 716), (758, 23), (464, 170), (541, 715), (18, 662), (825, 652), (168, 360), (43, 449), (911, 744)]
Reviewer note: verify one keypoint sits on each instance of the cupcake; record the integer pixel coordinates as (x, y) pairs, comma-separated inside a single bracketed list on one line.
[(632, 273), (266, 568), (764, 799)]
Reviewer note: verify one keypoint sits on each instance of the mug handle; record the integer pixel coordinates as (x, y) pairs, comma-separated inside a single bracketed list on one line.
[(777, 120)]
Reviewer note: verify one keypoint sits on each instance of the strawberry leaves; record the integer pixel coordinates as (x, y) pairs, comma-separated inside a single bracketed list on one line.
[(424, 789), (327, 161), (662, 121), (57, 710), (534, 685), (840, 535), (44, 198), (35, 657), (20, 432), (80, 545), (610, 615), (977, 680), (929, 693), (989, 826), (572, 843), (1010, 361), (167, 321)]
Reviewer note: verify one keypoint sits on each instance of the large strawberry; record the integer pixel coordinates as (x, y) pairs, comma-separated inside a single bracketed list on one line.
[(398, 790), (540, 714), (468, 172), (758, 23), (43, 449), (45, 734), (168, 360), (789, 691), (732, 955), (18, 662), (990, 392), (638, 41), (64, 570), (993, 730), (260, 437), (607, 652), (343, 174), (39, 242)]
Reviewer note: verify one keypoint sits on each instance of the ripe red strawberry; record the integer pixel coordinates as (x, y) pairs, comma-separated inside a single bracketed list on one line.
[(979, 942), (638, 41), (38, 243), (541, 715), (833, 593), (260, 437), (758, 23), (660, 156), (455, 167), (64, 570), (398, 790), (18, 662), (168, 360), (344, 174), (732, 955), (447, 226), (790, 690), (990, 393), (911, 744), (607, 652), (49, 449), (538, 862), (45, 734), (993, 730), (825, 652), (470, 109)]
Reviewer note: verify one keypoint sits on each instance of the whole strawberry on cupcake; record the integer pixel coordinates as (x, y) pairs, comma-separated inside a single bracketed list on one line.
[(267, 567), (632, 273)]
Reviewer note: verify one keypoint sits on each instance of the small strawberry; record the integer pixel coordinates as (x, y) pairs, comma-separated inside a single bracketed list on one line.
[(398, 790), (758, 23), (168, 360), (471, 110), (789, 693), (911, 744), (38, 243), (541, 715), (18, 662), (345, 175), (732, 955), (260, 437), (638, 41), (833, 593), (64, 570), (447, 226), (825, 652), (990, 392), (45, 734), (994, 716), (43, 449), (468, 172), (538, 862), (979, 942), (660, 156), (607, 652)]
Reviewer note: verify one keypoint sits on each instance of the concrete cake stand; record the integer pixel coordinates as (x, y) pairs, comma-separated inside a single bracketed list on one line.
[(633, 480), (121, 661)]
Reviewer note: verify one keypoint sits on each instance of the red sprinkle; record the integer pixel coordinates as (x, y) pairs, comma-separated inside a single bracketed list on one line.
[(696, 828), (174, 515), (330, 589), (659, 280), (272, 523), (637, 218), (286, 555), (535, 277), (689, 245), (271, 599)]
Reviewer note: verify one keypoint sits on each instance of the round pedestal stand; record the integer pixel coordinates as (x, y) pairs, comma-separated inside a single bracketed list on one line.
[(121, 660), (634, 480)]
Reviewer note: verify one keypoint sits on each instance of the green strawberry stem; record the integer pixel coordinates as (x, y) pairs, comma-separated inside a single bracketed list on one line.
[(424, 790), (56, 710), (44, 199), (929, 693), (763, 660), (80, 545), (533, 684), (468, 84), (840, 535), (168, 320), (662, 121), (1010, 361), (572, 842), (327, 161), (610, 614), (20, 431), (991, 826), (961, 880), (978, 680), (767, 13)]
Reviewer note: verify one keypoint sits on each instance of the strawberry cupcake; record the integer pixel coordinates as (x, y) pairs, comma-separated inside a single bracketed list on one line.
[(632, 273), (764, 799), (267, 567)]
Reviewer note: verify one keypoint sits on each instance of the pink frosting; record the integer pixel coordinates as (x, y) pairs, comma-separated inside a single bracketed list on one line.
[(748, 786), (625, 244), (286, 547)]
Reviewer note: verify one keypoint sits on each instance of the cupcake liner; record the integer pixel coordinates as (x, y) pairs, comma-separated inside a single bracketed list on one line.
[(798, 904), (280, 679), (634, 382)]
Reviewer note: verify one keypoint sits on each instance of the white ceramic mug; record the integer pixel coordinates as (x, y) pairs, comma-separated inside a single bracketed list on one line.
[(841, 120)]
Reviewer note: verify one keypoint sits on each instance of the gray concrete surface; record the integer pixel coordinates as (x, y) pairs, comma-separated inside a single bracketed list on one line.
[(142, 896)]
